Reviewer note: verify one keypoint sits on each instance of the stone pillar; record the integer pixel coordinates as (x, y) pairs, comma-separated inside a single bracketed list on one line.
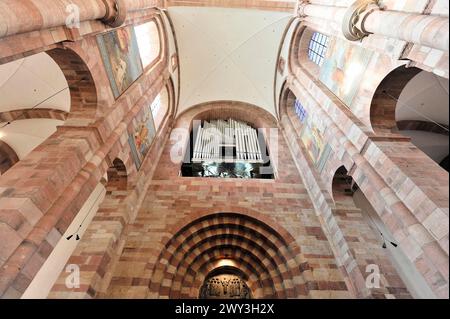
[(366, 17), (33, 15)]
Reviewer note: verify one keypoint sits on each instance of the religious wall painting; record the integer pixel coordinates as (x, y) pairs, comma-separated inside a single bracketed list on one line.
[(312, 138), (120, 55), (141, 137), (343, 68)]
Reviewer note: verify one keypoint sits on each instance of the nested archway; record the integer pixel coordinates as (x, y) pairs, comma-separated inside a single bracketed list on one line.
[(271, 261)]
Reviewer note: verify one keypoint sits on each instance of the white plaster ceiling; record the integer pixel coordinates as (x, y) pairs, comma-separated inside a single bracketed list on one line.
[(227, 54), (32, 82), (424, 98), (36, 79), (24, 135)]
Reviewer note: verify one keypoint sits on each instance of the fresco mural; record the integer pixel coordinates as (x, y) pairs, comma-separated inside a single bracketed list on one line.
[(343, 68), (120, 55), (312, 137), (142, 137)]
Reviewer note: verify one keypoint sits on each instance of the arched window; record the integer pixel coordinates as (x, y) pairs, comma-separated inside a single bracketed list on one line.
[(160, 107), (300, 111), (318, 48), (148, 41)]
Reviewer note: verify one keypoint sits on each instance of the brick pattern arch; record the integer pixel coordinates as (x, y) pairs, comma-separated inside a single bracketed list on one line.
[(36, 113), (382, 109), (117, 176), (240, 111), (272, 262), (8, 157), (83, 93)]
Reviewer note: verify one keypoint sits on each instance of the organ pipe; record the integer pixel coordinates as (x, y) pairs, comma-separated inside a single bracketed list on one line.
[(216, 135)]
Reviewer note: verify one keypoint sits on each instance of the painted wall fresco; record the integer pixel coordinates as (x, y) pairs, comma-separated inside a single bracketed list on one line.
[(344, 68), (312, 137), (120, 55), (141, 137)]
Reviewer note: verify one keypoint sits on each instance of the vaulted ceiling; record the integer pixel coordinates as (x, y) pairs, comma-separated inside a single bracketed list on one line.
[(228, 54), (35, 82)]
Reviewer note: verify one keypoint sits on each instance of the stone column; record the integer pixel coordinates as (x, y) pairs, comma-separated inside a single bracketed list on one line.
[(366, 17), (33, 15)]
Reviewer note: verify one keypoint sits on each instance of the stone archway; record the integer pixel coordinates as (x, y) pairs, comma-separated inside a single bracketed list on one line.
[(382, 109), (8, 157), (83, 93), (269, 259)]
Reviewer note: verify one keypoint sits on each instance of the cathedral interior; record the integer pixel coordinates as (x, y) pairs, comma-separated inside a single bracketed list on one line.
[(224, 149)]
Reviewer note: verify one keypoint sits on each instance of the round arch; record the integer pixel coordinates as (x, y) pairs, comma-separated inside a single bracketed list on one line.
[(8, 157), (269, 258), (82, 87), (238, 110)]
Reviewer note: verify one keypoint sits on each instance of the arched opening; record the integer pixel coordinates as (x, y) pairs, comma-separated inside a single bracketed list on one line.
[(84, 226), (8, 157), (149, 42), (160, 107), (117, 177), (306, 128), (371, 243), (226, 148), (80, 84), (309, 49), (247, 247), (415, 104), (35, 98)]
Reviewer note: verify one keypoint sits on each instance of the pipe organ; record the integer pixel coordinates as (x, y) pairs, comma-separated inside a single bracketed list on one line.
[(226, 141)]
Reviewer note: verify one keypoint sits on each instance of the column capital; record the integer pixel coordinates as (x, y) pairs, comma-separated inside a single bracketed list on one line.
[(116, 12), (352, 24), (300, 9)]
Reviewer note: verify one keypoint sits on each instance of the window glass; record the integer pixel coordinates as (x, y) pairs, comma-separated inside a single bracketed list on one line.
[(148, 42), (317, 48)]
